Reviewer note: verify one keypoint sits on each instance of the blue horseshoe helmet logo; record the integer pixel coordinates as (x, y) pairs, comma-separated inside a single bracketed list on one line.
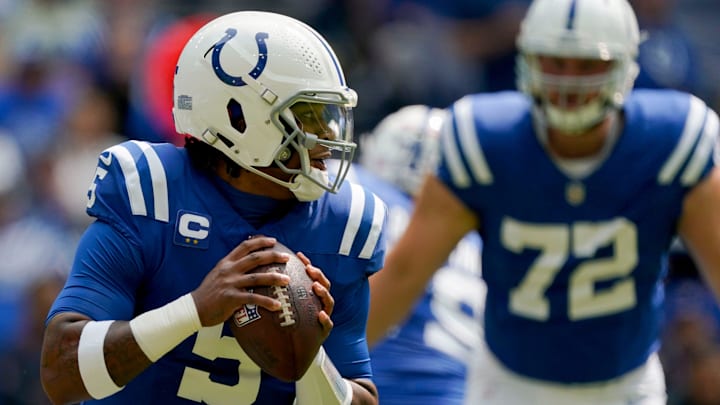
[(237, 81)]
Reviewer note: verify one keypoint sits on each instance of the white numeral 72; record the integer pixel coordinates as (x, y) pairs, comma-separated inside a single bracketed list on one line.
[(581, 239)]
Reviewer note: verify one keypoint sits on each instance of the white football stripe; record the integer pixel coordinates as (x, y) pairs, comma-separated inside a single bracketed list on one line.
[(703, 151), (357, 206), (377, 224), (132, 179), (469, 142), (159, 182), (693, 126)]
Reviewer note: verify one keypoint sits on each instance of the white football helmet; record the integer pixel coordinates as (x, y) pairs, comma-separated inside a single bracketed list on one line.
[(404, 146), (584, 29), (261, 86)]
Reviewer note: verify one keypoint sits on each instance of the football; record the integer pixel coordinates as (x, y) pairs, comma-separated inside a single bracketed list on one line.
[(282, 343)]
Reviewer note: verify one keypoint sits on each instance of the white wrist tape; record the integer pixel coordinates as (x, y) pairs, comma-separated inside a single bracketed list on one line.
[(91, 360), (160, 330), (322, 384)]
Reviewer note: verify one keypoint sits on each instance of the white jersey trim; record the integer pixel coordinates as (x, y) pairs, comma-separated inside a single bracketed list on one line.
[(357, 210), (460, 177), (703, 151), (357, 206), (691, 131), (159, 182), (132, 179), (469, 144), (377, 224)]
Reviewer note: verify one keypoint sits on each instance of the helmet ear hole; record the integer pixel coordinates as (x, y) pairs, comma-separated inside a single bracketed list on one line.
[(236, 115)]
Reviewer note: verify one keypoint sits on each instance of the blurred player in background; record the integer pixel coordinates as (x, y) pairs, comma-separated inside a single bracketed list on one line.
[(423, 360), (577, 185), (263, 102)]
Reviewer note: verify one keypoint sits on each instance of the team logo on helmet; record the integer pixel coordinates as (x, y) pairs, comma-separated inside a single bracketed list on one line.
[(229, 79)]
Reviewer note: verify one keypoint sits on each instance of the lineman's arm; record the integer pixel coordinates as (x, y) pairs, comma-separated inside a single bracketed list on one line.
[(438, 222), (700, 228)]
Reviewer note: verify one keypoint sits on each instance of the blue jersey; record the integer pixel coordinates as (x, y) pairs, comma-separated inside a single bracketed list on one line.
[(574, 264), (424, 360), (162, 226)]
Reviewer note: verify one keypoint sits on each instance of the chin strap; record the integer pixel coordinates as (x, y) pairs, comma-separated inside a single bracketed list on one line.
[(305, 189)]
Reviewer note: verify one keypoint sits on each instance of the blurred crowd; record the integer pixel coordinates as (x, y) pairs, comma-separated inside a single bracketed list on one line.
[(77, 76)]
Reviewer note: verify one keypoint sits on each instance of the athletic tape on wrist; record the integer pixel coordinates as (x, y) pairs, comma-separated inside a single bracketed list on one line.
[(322, 384), (160, 330), (91, 360)]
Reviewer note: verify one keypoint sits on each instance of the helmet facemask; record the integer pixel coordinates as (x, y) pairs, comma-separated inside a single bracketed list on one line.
[(575, 103), (318, 127)]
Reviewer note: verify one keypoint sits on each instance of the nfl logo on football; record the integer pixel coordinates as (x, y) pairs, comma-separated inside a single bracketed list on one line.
[(246, 314)]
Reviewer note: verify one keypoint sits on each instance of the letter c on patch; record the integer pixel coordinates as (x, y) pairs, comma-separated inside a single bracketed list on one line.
[(194, 226)]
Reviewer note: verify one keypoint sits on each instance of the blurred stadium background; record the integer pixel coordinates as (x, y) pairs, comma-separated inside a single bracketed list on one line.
[(79, 75)]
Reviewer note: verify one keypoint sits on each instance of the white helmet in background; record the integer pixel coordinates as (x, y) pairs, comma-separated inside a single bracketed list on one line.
[(261, 86), (583, 29), (404, 146)]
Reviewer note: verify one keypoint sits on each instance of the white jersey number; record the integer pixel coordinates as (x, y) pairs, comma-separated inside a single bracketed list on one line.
[(581, 239), (457, 288), (196, 385)]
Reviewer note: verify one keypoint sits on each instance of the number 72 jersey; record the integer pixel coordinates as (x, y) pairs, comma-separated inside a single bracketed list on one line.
[(574, 259)]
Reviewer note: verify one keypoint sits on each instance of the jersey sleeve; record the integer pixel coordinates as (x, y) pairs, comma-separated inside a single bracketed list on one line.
[(695, 149), (363, 242), (352, 224), (130, 186), (347, 344), (129, 199), (353, 248), (481, 136), (105, 275), (363, 233)]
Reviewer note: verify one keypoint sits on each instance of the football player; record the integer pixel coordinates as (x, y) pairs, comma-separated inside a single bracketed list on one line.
[(577, 185), (263, 102), (424, 359)]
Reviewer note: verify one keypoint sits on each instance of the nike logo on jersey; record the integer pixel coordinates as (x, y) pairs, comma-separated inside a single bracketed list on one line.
[(192, 230)]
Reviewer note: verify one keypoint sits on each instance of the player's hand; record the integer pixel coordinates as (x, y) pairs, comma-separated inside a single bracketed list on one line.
[(321, 287), (225, 288)]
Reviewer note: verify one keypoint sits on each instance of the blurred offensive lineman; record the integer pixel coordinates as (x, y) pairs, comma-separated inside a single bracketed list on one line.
[(424, 360), (577, 185), (141, 319)]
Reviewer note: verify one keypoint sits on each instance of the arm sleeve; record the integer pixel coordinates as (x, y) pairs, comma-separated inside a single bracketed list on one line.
[(104, 278)]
